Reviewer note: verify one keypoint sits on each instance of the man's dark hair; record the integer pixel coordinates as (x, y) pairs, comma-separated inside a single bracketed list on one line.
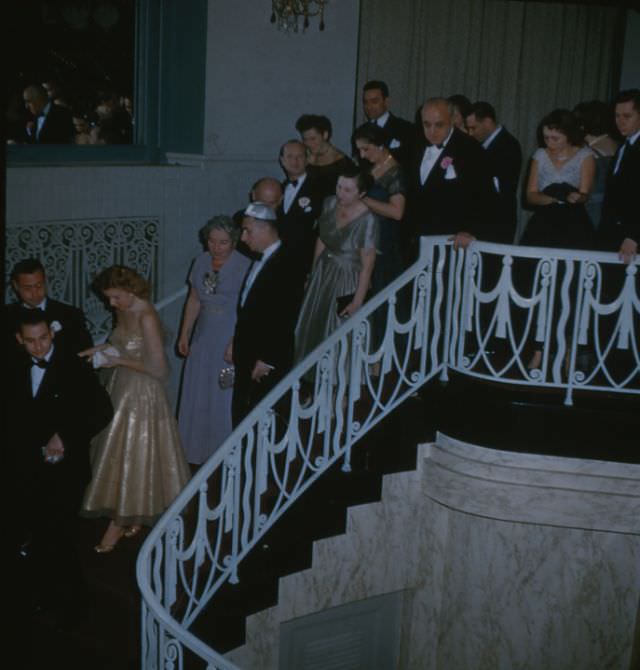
[(288, 142), (461, 102), (31, 317), (376, 85), (26, 266), (482, 110), (630, 95), (594, 117), (314, 122)]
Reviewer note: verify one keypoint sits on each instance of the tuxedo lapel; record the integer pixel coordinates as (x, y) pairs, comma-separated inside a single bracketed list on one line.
[(437, 172), (260, 279)]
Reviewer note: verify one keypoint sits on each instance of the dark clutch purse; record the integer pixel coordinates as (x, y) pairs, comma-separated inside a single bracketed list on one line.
[(342, 301), (560, 191), (226, 377)]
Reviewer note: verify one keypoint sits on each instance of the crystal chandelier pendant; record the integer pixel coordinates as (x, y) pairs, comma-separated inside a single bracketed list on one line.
[(287, 14)]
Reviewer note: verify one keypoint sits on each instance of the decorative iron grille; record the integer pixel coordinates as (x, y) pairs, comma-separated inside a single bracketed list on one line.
[(74, 251)]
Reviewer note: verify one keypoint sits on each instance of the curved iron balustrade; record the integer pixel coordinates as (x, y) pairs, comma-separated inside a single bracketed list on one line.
[(476, 312)]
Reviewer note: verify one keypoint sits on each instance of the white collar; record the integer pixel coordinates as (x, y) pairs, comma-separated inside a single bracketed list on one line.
[(299, 181), (269, 251), (42, 305), (633, 138), (491, 137), (381, 121), (46, 357)]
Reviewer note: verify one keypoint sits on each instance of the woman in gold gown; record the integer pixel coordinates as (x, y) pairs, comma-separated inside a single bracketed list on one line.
[(137, 461)]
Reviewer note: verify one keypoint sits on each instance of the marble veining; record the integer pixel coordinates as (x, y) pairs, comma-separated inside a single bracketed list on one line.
[(508, 561)]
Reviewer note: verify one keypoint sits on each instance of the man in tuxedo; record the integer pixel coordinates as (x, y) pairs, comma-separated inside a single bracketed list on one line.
[(301, 205), (505, 160), (55, 406), (29, 282), (51, 123), (262, 345), (620, 222), (402, 136), (451, 192)]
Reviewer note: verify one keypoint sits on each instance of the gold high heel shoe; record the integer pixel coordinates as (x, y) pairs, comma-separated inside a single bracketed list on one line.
[(132, 531), (106, 548)]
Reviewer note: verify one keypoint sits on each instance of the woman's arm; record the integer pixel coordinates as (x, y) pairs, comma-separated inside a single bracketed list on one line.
[(87, 353), (191, 311), (534, 196), (587, 177), (367, 261), (394, 209), (320, 247)]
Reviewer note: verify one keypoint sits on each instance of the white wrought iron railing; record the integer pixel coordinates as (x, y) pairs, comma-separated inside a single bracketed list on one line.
[(478, 312)]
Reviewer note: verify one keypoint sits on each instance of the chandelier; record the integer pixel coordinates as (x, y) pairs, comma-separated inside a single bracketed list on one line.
[(287, 13)]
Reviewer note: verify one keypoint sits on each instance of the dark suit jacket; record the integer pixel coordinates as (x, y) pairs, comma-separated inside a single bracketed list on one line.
[(265, 329), (70, 402), (505, 160), (72, 338), (297, 227), (465, 203), (400, 132), (57, 128), (620, 210)]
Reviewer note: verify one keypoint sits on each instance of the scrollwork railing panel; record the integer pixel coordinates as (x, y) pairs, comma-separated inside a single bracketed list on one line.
[(73, 252)]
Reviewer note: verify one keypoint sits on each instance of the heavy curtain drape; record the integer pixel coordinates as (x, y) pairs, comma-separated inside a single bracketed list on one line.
[(525, 58)]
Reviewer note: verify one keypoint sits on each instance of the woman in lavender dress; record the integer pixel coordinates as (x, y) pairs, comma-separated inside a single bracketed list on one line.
[(207, 327)]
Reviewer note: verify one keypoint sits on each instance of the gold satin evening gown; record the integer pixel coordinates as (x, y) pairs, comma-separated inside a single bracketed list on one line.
[(137, 461)]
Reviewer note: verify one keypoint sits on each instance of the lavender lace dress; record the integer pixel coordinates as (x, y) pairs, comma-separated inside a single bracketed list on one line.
[(564, 225)]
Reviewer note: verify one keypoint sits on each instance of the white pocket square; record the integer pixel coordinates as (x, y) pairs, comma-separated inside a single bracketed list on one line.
[(450, 173), (394, 144)]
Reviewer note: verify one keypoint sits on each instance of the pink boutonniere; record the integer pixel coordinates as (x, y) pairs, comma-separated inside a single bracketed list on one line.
[(446, 162)]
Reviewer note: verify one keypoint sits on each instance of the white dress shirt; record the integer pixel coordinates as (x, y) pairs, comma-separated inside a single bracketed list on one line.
[(291, 191), (629, 141), (37, 373), (430, 158), (255, 269), (41, 119), (381, 121)]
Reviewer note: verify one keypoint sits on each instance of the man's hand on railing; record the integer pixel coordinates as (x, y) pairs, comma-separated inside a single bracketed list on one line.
[(461, 240), (628, 250)]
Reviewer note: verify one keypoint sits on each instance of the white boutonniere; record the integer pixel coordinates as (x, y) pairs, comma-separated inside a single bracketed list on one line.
[(305, 203), (56, 326)]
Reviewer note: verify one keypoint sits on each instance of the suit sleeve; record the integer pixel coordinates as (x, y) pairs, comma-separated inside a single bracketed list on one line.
[(480, 202), (87, 408), (276, 343)]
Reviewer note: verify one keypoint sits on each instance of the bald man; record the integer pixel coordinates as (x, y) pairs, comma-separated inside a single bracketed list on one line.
[(451, 189), (267, 190), (49, 123)]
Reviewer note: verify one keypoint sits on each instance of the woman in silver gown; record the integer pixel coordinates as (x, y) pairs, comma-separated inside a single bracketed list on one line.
[(344, 258)]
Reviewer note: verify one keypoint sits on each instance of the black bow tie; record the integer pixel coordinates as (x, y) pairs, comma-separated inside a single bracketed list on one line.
[(437, 146), (293, 182), (40, 363)]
